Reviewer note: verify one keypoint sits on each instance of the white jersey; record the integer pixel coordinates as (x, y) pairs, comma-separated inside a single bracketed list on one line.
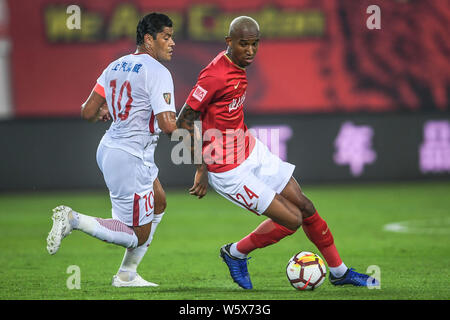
[(136, 87)]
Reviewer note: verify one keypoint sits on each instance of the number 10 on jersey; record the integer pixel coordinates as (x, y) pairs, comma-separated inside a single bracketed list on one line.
[(117, 104)]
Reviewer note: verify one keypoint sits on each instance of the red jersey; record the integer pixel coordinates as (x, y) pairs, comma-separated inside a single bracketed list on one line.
[(219, 94)]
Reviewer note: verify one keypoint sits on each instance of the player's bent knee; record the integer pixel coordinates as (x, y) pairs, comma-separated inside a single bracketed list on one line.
[(293, 223), (309, 208), (306, 207), (142, 233), (297, 222), (160, 207), (142, 237), (296, 218), (160, 202), (285, 213)]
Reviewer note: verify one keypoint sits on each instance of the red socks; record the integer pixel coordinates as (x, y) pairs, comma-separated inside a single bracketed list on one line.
[(316, 229), (265, 234)]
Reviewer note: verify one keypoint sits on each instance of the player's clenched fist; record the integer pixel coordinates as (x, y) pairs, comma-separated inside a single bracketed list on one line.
[(103, 113)]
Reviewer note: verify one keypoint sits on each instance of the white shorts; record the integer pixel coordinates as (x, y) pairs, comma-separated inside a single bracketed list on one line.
[(253, 184), (130, 184)]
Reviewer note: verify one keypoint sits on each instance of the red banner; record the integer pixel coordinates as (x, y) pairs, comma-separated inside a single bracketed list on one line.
[(314, 56)]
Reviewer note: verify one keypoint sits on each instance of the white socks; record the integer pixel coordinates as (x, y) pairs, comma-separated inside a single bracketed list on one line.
[(338, 271), (110, 230), (236, 253), (133, 256), (115, 231)]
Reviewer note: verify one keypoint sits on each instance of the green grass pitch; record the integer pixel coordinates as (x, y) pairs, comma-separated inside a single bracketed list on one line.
[(184, 256)]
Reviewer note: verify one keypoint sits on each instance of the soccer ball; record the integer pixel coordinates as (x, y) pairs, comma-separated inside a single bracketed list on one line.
[(306, 271)]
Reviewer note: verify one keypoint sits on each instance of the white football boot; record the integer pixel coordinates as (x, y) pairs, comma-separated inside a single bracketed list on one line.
[(136, 282), (61, 228)]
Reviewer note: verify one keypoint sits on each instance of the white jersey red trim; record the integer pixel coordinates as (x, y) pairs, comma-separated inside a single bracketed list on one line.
[(136, 87)]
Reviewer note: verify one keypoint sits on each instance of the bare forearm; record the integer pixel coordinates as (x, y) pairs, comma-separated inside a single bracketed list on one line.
[(187, 121), (187, 117), (88, 114), (94, 108), (167, 122)]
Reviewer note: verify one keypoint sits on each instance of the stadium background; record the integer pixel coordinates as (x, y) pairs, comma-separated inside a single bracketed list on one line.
[(363, 114), (349, 103)]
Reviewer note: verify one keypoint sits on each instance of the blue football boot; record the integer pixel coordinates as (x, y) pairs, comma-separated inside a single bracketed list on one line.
[(354, 278), (237, 267)]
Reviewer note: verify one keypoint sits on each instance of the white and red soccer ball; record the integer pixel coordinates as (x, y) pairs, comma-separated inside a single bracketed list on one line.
[(306, 271)]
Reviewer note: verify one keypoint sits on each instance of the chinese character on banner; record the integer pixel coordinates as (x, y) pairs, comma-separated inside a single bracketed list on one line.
[(354, 147), (434, 152)]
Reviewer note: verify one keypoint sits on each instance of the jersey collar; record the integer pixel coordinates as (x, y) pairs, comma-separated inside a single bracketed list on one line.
[(234, 64)]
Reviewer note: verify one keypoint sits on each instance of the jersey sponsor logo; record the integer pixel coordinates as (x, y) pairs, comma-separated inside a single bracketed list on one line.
[(237, 103), (127, 67), (199, 93), (167, 97), (237, 85)]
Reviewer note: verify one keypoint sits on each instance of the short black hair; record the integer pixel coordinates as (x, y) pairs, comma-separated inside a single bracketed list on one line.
[(153, 23)]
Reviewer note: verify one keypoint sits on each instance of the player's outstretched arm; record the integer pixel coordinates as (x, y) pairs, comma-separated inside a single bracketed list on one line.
[(186, 120), (95, 108)]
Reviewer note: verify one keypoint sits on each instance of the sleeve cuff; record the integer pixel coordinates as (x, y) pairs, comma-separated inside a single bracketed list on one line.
[(100, 90)]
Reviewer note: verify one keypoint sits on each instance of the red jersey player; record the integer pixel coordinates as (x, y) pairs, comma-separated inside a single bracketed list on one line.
[(243, 170)]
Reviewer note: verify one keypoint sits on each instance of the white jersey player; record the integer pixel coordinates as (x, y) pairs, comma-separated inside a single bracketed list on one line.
[(138, 92), (137, 88)]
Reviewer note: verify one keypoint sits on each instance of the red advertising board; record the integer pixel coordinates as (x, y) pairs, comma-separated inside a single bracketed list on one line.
[(315, 56)]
